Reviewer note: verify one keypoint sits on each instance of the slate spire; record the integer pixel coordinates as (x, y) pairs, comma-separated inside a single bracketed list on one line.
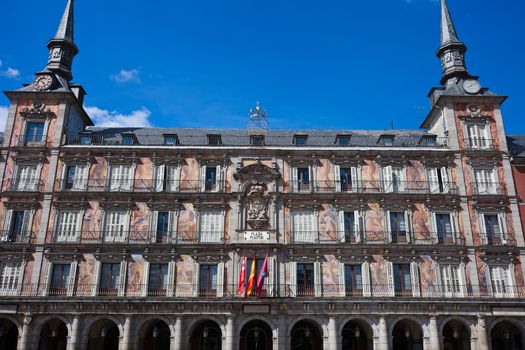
[(452, 50), (62, 48)]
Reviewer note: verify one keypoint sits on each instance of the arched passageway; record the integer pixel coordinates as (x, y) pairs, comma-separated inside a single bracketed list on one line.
[(206, 336), (456, 336), (256, 335), (155, 335), (306, 335), (103, 335), (8, 335), (407, 335), (357, 335), (53, 335), (506, 336)]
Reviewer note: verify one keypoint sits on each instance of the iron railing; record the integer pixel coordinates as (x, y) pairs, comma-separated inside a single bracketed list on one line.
[(9, 236), (31, 141), (23, 185), (377, 237), (139, 237), (488, 189), (298, 291), (139, 185), (497, 240), (244, 140), (479, 144)]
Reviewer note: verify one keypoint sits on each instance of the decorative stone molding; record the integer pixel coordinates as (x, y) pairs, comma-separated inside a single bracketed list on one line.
[(401, 161), (15, 257), (156, 257), (71, 204), (176, 205), (18, 205), (112, 257), (350, 160), (37, 110), (77, 159), (29, 158), (484, 208), (255, 173), (58, 256), (106, 205), (122, 158)]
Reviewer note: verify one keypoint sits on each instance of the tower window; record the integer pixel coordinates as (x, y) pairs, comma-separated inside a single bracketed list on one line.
[(257, 140), (214, 140), (171, 140), (343, 140), (300, 140), (129, 139), (386, 140)]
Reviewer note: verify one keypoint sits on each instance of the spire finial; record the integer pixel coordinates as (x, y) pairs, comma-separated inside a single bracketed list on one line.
[(452, 50), (62, 48), (258, 124)]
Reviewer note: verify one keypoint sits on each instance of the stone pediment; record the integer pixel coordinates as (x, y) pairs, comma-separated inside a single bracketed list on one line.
[(257, 172)]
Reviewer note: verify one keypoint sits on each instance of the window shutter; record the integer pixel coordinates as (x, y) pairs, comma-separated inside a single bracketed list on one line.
[(355, 179), (341, 226), (114, 178), (408, 225), (47, 270), (357, 226), (80, 177), (159, 178), (173, 178), (337, 177), (145, 278), (454, 227), (171, 278), (293, 279), (271, 278), (203, 178), (121, 281), (295, 180), (502, 225), (71, 282), (342, 280), (205, 234), (220, 280), (388, 233), (96, 278), (433, 180), (7, 221), (22, 178), (414, 273), (434, 225), (387, 179), (218, 179), (444, 179), (317, 279), (511, 282), (482, 229), (462, 280), (365, 270), (195, 279), (390, 273), (311, 228)]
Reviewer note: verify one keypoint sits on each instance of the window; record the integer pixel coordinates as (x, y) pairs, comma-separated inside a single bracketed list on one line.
[(121, 177), (493, 228), (477, 136), (212, 178), (166, 178), (300, 140), (258, 269), (394, 179), (69, 223), (9, 278), (304, 226), (301, 179), (214, 140), (208, 280), (444, 230), (305, 279), (501, 281), (27, 179), (116, 226), (59, 279), (353, 280), (450, 280), (346, 179), (438, 180), (398, 227), (85, 140), (211, 226), (343, 140), (17, 225), (163, 231), (386, 140), (34, 132), (171, 140), (129, 139), (351, 226), (485, 181), (257, 140), (109, 282), (427, 141), (76, 177), (402, 279), (158, 279)]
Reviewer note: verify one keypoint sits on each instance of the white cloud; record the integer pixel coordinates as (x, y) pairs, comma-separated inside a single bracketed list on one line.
[(10, 72), (105, 118), (3, 117), (127, 76)]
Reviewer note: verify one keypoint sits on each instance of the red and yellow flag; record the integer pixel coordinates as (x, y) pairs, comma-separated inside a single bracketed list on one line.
[(251, 280), (242, 277), (262, 276)]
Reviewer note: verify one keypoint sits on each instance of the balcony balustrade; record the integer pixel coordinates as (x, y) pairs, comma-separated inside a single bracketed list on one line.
[(138, 237), (31, 141), (488, 189), (23, 185), (9, 236), (479, 144), (377, 237), (229, 292), (139, 186), (497, 240)]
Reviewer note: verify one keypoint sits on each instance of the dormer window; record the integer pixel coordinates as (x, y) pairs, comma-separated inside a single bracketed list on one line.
[(343, 140), (85, 140), (257, 140), (300, 140), (386, 140), (214, 140), (428, 141), (129, 139), (171, 140)]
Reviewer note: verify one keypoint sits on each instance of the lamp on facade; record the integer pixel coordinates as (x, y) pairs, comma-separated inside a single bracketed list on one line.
[(307, 332), (54, 333), (1, 331), (455, 334), (357, 332), (205, 333), (103, 332), (155, 332), (507, 334), (407, 333)]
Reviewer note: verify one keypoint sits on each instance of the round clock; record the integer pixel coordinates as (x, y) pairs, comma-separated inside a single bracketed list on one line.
[(43, 82), (471, 86)]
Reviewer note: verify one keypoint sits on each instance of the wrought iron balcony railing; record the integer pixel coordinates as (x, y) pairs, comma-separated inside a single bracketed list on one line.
[(372, 187), (270, 291), (488, 189), (11, 236), (479, 144), (497, 240), (138, 237), (139, 185), (23, 185), (31, 141), (377, 237)]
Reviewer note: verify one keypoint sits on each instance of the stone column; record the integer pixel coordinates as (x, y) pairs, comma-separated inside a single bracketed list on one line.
[(24, 342), (229, 339), (126, 342), (483, 342), (381, 340), (73, 339), (332, 334), (433, 333), (280, 344), (176, 339)]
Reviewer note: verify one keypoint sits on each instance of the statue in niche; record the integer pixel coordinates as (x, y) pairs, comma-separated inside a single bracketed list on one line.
[(257, 200)]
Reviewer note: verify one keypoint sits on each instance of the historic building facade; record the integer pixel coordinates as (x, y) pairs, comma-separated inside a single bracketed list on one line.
[(133, 238)]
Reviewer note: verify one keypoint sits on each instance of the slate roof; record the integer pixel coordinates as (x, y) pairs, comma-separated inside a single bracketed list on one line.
[(516, 145)]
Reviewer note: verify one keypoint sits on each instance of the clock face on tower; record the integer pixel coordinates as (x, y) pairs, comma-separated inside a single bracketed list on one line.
[(43, 82), (471, 86)]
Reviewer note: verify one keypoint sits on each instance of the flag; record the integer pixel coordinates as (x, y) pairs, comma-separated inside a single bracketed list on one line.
[(251, 280), (262, 276), (242, 276)]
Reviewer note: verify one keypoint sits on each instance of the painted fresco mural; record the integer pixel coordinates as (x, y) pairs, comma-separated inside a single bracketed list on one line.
[(379, 275), (187, 223), (330, 272), (139, 223), (374, 223), (325, 174), (85, 275), (428, 274), (27, 286), (420, 222), (327, 223), (190, 174), (135, 276), (184, 285)]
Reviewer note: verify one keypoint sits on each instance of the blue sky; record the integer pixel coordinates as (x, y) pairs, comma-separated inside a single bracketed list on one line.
[(312, 64)]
